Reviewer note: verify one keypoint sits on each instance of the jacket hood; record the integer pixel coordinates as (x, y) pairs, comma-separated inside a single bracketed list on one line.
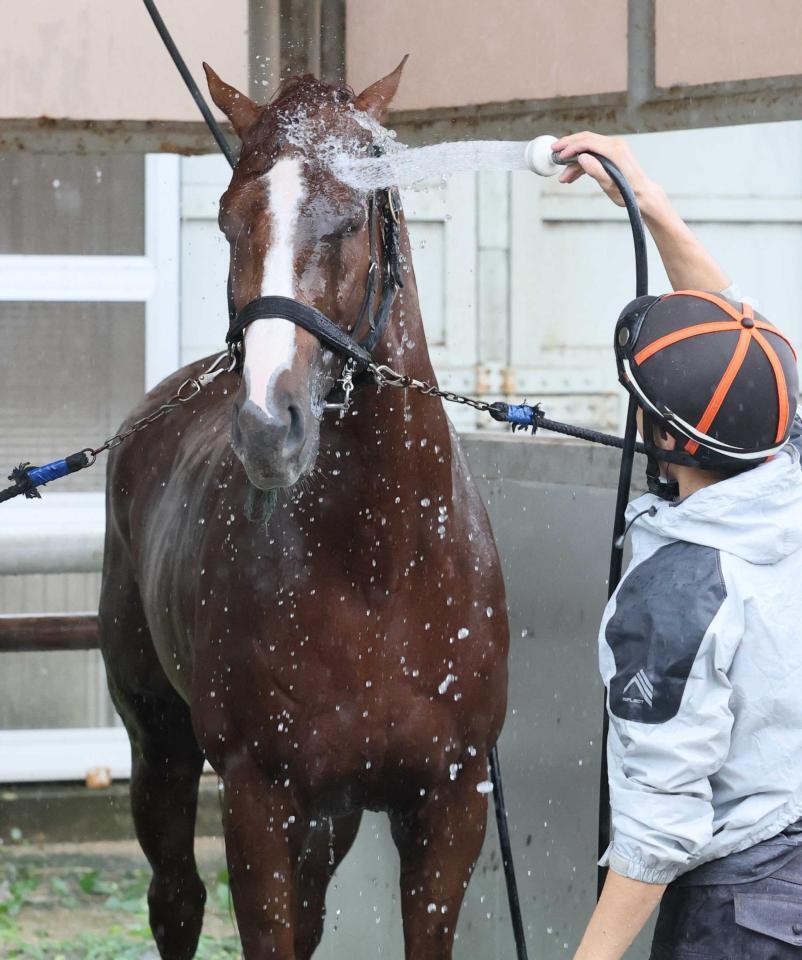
[(755, 515)]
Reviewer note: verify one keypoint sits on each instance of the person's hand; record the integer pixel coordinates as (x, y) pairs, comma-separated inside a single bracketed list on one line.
[(647, 192)]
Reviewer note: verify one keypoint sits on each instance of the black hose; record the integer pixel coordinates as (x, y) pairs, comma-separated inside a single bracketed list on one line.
[(189, 80), (506, 856), (624, 482)]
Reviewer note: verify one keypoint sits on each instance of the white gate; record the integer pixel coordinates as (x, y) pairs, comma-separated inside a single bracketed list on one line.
[(739, 188), (51, 552)]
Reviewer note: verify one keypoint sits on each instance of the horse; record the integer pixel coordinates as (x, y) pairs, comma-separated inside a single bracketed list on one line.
[(347, 651)]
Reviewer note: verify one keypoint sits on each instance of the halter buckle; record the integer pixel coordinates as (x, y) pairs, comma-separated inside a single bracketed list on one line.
[(391, 195), (346, 381)]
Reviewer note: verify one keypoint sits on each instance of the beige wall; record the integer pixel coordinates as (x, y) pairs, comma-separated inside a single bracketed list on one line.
[(704, 41), (103, 60), (477, 51)]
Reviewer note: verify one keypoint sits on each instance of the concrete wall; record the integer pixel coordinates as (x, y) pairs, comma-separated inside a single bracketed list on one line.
[(551, 506), (709, 41), (94, 60), (468, 51), (471, 52)]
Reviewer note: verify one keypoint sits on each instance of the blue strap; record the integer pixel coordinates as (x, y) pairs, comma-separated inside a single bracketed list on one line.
[(521, 414), (48, 472)]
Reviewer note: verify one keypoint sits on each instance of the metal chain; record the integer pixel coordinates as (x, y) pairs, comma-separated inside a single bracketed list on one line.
[(383, 375), (387, 377), (188, 390)]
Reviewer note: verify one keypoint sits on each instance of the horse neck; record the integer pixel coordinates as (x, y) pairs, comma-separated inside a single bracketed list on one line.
[(396, 425), (403, 345)]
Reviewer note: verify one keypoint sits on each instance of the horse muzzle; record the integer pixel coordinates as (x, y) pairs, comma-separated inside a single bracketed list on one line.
[(274, 445)]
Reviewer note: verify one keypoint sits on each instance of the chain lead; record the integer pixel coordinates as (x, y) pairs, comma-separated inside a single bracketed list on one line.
[(188, 390), (387, 377)]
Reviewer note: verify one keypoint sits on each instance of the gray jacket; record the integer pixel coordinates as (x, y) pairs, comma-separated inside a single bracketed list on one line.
[(700, 649)]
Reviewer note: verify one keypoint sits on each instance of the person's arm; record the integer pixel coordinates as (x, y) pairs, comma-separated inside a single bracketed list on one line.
[(688, 264), (621, 913)]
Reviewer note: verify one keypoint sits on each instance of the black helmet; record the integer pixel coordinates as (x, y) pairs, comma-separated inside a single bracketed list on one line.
[(714, 374)]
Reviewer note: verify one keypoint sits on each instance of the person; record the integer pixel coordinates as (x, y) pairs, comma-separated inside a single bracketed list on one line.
[(700, 647)]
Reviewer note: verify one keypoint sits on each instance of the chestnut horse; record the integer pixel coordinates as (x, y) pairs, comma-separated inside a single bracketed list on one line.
[(350, 652)]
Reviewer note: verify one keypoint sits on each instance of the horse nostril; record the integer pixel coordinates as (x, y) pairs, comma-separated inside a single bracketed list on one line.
[(295, 430)]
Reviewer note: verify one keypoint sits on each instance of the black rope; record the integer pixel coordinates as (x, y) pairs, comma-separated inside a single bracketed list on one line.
[(583, 433), (189, 80)]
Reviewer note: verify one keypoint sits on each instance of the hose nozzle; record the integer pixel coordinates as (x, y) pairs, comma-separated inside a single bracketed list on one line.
[(541, 159)]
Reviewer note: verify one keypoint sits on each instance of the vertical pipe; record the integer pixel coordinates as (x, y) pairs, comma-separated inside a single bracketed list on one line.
[(332, 41), (640, 55), (296, 18), (264, 48)]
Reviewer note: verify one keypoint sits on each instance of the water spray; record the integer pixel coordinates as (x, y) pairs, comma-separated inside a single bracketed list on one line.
[(416, 167)]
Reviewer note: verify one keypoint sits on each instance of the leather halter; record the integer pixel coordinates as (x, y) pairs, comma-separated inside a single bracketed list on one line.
[(339, 341)]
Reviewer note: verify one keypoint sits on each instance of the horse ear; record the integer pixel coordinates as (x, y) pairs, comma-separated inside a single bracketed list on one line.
[(376, 98), (240, 110)]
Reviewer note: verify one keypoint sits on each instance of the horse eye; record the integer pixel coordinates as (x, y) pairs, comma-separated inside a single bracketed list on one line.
[(353, 225)]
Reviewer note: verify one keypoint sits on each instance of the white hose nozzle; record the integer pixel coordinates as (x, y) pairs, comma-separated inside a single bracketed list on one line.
[(539, 157)]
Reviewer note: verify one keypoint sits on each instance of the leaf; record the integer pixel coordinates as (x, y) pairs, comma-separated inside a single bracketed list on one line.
[(88, 881)]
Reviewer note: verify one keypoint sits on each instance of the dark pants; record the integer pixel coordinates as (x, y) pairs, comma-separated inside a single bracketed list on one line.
[(761, 920)]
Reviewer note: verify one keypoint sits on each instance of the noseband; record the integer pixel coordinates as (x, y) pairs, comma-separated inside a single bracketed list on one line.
[(384, 207)]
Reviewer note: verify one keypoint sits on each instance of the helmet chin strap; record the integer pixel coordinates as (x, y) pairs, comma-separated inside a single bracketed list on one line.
[(667, 488)]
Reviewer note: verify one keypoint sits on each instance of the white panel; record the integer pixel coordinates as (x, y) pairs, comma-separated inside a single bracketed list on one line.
[(460, 272), (427, 241), (204, 307), (28, 756), (62, 533), (163, 249), (35, 755), (204, 257), (572, 261), (76, 278)]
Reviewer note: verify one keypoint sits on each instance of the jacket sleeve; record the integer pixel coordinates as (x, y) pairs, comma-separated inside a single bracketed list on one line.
[(665, 652)]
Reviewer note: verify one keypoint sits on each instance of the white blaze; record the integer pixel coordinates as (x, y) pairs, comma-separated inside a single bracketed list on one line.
[(270, 344)]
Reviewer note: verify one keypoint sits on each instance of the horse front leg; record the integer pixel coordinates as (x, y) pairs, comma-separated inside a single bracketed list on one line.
[(439, 841), (264, 833)]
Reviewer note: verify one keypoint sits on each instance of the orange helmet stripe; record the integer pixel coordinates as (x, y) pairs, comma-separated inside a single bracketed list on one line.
[(710, 297), (715, 326), (782, 388), (761, 325), (721, 391)]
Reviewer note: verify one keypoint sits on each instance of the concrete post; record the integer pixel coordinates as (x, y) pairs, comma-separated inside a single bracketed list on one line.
[(264, 48)]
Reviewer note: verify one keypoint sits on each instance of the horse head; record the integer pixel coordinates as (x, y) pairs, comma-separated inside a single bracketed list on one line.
[(295, 231)]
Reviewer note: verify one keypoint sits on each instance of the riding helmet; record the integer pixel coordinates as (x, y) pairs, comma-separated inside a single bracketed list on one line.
[(713, 373)]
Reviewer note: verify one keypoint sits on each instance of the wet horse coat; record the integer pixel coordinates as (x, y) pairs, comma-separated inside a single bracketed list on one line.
[(348, 654)]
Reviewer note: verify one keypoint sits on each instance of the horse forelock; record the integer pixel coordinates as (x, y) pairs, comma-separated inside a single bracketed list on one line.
[(296, 100)]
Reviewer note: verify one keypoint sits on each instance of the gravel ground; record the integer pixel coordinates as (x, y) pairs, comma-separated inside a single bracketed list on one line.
[(87, 902)]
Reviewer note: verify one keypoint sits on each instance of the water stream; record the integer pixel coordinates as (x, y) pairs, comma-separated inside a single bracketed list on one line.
[(411, 167)]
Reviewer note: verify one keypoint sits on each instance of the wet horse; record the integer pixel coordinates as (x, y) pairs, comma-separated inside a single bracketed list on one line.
[(347, 653)]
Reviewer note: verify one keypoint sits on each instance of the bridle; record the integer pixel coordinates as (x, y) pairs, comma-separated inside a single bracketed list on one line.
[(384, 210)]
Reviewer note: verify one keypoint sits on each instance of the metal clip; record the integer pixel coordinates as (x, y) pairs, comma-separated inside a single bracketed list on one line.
[(214, 370), (392, 198), (346, 381)]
